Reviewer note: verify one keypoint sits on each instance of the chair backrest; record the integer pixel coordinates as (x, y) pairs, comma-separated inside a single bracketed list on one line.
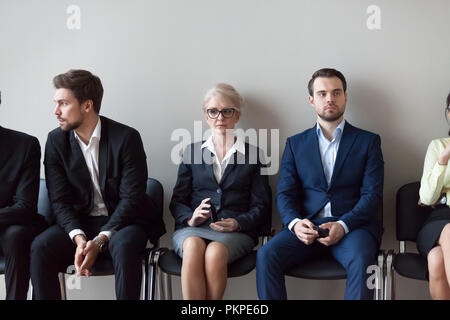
[(44, 206), (155, 191), (409, 215)]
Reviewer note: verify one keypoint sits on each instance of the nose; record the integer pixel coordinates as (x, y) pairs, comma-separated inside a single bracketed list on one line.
[(57, 110), (220, 115)]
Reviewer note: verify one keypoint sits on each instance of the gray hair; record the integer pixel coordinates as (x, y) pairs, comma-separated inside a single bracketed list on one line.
[(226, 92)]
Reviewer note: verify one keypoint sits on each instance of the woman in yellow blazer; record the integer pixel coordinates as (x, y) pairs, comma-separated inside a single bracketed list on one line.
[(433, 240)]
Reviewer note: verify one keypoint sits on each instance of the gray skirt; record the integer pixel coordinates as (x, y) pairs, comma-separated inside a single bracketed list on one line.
[(239, 244)]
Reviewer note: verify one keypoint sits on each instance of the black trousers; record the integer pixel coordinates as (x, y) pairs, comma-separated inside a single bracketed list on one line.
[(53, 251), (15, 242)]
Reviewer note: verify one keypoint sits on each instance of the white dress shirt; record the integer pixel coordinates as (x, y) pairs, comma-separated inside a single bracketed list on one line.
[(328, 152), (219, 167), (90, 153)]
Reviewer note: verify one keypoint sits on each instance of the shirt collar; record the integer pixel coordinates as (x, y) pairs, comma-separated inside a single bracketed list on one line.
[(237, 146), (337, 132), (95, 135)]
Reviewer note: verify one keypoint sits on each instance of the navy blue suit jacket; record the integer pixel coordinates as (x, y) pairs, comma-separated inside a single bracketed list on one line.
[(356, 188), (243, 193)]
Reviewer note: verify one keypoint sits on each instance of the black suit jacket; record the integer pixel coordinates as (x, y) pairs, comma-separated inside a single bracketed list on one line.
[(20, 157), (243, 193), (122, 178)]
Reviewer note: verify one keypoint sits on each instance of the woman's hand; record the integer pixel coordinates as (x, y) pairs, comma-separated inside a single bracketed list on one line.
[(200, 214), (225, 225)]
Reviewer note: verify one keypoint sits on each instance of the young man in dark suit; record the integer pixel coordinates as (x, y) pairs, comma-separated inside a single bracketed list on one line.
[(331, 176), (19, 222), (96, 173)]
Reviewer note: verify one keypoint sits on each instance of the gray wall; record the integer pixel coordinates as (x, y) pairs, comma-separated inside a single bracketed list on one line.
[(157, 59)]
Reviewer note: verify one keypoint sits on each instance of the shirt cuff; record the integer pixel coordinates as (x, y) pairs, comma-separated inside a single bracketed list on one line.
[(76, 232), (292, 223), (342, 223), (107, 234)]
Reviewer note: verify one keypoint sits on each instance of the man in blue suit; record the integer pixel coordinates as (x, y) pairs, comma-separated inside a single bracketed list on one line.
[(331, 176)]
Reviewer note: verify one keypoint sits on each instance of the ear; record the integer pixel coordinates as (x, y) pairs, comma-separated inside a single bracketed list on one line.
[(311, 100), (238, 116), (87, 106)]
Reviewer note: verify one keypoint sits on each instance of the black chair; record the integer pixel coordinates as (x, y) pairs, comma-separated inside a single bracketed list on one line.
[(327, 268), (410, 219), (169, 263), (104, 266)]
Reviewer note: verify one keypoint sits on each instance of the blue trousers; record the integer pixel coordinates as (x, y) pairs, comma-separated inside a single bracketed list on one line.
[(356, 251)]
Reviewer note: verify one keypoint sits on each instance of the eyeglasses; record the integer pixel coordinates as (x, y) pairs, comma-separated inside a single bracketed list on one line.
[(226, 113)]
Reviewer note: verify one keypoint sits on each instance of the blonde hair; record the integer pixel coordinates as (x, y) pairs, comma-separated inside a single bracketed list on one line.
[(227, 93)]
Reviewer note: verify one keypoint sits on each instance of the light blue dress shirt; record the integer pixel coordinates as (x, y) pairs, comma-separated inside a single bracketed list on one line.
[(328, 152)]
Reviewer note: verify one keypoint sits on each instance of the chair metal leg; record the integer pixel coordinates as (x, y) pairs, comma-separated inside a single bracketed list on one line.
[(389, 277), (167, 285), (30, 297), (379, 278), (152, 274), (144, 280), (62, 285)]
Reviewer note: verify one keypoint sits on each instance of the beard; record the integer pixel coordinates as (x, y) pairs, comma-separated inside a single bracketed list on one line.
[(70, 126), (331, 117)]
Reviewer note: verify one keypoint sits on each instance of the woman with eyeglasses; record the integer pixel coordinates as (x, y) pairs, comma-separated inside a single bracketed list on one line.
[(220, 199), (433, 240)]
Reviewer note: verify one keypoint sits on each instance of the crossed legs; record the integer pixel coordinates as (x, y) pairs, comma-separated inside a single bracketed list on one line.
[(204, 269), (439, 266)]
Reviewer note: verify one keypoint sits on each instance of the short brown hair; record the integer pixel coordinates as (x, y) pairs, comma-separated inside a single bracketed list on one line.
[(83, 84), (326, 73), (448, 100)]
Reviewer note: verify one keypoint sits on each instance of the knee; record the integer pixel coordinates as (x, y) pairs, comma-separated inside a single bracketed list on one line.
[(193, 245), (16, 238), (216, 252), (361, 260), (436, 267), (38, 245), (126, 249), (445, 234), (265, 255)]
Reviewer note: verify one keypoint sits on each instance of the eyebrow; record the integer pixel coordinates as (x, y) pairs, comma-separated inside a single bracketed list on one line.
[(334, 90), (60, 100)]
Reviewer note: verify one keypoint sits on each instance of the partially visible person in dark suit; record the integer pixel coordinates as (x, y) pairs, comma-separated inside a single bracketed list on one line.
[(433, 240), (219, 200), (19, 222), (96, 173)]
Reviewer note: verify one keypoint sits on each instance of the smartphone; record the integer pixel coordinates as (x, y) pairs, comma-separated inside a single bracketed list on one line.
[(323, 232), (213, 212)]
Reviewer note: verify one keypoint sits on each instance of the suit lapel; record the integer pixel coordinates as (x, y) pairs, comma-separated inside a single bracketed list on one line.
[(208, 163), (348, 138), (314, 155), (77, 161), (103, 153), (236, 158)]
